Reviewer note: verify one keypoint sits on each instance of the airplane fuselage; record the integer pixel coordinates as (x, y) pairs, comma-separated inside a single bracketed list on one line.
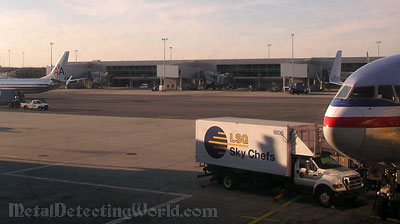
[(364, 131), (363, 120), (28, 85)]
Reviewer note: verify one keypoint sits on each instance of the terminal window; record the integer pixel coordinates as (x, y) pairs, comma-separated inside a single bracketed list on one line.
[(251, 70), (133, 71)]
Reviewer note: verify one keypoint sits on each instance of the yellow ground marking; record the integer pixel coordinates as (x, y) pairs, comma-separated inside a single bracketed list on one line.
[(388, 219), (224, 143), (286, 204), (289, 202), (279, 196), (393, 220), (221, 133), (261, 218)]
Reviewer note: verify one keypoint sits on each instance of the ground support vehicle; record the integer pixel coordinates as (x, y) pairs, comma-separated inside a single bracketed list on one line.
[(236, 150), (11, 97), (35, 105)]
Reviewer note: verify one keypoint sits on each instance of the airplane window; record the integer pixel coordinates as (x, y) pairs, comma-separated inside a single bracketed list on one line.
[(386, 93), (397, 88), (366, 92), (343, 92)]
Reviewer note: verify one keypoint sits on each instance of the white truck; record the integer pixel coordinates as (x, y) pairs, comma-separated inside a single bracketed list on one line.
[(234, 150), (35, 105)]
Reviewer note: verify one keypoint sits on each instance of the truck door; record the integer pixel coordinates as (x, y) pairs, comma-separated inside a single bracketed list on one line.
[(302, 175)]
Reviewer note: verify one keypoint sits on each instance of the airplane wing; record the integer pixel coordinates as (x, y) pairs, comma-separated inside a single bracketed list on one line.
[(57, 81), (73, 80), (334, 76)]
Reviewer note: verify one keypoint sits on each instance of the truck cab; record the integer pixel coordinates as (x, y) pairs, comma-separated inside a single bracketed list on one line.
[(327, 178), (35, 105)]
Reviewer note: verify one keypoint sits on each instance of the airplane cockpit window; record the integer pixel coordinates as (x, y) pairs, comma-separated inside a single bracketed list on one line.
[(365, 92), (386, 93), (397, 89), (343, 92)]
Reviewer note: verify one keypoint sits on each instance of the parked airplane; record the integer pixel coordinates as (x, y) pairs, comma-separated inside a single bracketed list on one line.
[(51, 81), (363, 120), (336, 74)]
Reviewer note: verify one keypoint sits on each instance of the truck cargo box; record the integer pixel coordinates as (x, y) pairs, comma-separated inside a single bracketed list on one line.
[(249, 144)]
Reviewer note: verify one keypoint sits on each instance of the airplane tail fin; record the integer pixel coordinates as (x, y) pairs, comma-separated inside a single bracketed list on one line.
[(58, 72), (334, 76)]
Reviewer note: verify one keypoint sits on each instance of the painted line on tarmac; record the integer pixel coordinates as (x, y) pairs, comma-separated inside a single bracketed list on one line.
[(263, 217), (97, 185), (32, 168), (180, 198), (173, 201), (388, 219), (289, 202)]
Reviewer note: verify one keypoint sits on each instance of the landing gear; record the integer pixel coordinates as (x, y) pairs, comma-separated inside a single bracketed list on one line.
[(386, 203)]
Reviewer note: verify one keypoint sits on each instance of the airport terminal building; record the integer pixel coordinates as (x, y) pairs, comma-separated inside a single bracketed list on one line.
[(261, 74)]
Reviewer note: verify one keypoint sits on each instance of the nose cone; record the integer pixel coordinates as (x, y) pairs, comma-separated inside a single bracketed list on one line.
[(342, 133)]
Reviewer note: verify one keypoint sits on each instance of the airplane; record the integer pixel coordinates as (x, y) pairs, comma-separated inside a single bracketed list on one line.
[(335, 75), (37, 85), (363, 121)]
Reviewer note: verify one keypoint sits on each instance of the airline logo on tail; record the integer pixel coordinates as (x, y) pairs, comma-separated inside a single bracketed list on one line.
[(58, 70)]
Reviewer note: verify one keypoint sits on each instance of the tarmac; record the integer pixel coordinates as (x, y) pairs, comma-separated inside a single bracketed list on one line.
[(105, 164)]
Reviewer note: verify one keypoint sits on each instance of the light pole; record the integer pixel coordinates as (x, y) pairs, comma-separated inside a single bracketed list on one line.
[(170, 53), (269, 51), (23, 54), (9, 58), (162, 81), (51, 56), (292, 58), (76, 55), (378, 42)]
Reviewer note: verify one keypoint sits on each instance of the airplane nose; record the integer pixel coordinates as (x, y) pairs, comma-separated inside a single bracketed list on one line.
[(342, 132)]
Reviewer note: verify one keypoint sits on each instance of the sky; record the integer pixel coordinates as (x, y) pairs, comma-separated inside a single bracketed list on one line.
[(122, 30)]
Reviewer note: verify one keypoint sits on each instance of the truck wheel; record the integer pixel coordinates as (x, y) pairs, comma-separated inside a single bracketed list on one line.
[(382, 207), (230, 181), (25, 107), (40, 108), (324, 196)]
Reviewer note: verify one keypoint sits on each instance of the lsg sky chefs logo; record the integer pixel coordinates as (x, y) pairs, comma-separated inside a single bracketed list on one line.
[(217, 144)]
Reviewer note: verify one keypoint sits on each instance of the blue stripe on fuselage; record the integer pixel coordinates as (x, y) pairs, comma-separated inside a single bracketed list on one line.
[(337, 102)]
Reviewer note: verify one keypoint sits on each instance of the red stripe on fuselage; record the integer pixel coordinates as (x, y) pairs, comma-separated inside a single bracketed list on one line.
[(361, 122)]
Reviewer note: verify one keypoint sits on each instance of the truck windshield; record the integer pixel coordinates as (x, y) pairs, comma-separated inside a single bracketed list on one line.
[(327, 162)]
